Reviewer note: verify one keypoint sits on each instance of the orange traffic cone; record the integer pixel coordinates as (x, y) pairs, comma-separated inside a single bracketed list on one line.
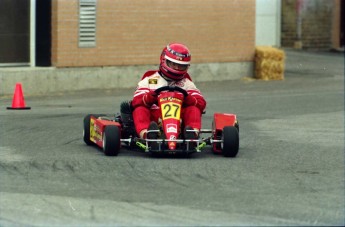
[(18, 102)]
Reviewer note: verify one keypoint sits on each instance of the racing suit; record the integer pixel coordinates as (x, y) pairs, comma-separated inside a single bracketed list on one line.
[(144, 114)]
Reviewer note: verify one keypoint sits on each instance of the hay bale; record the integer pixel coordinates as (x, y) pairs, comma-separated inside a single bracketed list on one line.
[(269, 63)]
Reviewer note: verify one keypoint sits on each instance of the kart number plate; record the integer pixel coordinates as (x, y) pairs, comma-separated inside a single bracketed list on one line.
[(171, 110)]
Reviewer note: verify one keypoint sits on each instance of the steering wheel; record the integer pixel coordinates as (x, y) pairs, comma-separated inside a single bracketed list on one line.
[(171, 88)]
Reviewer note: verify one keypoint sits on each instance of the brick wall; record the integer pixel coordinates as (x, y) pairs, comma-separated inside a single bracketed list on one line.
[(316, 23), (135, 34)]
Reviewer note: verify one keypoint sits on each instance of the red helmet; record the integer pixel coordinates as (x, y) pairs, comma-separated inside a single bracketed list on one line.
[(175, 61)]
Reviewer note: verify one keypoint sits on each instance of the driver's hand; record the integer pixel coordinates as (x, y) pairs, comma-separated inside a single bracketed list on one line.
[(150, 98), (190, 100)]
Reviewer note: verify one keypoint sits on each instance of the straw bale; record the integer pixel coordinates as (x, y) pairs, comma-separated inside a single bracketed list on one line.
[(269, 63)]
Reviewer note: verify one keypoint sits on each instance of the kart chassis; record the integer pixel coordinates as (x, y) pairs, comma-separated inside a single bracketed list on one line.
[(111, 133)]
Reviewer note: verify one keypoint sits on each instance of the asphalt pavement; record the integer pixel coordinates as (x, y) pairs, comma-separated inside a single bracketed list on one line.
[(289, 169)]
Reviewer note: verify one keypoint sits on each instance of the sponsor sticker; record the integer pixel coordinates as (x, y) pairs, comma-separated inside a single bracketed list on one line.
[(172, 128), (153, 81)]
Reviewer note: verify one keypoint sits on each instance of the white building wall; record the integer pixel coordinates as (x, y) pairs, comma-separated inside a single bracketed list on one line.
[(268, 23)]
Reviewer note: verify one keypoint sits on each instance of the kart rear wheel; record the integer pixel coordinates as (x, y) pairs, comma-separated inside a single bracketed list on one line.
[(230, 142), (111, 140)]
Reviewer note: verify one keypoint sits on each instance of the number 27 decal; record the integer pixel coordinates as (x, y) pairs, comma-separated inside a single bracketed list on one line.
[(171, 110)]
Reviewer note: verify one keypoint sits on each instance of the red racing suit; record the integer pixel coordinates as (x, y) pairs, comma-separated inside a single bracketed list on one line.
[(143, 114)]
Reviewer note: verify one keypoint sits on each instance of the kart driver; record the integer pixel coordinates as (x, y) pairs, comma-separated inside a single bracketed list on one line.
[(174, 63)]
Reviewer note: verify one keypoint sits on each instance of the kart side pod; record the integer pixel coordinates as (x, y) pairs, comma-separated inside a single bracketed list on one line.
[(225, 128), (103, 132)]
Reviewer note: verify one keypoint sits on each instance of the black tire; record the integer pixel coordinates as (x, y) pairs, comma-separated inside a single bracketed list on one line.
[(86, 131), (231, 141), (111, 140)]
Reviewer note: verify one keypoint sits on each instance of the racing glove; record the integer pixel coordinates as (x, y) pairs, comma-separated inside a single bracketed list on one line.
[(190, 100), (150, 98)]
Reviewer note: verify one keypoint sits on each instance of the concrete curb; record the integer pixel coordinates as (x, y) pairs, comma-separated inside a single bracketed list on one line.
[(50, 80)]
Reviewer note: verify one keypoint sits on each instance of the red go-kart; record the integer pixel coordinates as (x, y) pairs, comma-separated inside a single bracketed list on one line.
[(112, 133)]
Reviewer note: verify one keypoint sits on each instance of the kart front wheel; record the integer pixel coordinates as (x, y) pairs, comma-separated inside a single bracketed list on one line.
[(230, 144), (111, 140)]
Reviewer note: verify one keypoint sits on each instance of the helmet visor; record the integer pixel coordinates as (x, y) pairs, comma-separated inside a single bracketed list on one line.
[(176, 66)]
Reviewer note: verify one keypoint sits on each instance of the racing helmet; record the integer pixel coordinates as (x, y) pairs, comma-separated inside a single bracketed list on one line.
[(174, 61)]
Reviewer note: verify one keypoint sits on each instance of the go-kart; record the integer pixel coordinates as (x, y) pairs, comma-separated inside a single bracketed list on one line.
[(111, 133)]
